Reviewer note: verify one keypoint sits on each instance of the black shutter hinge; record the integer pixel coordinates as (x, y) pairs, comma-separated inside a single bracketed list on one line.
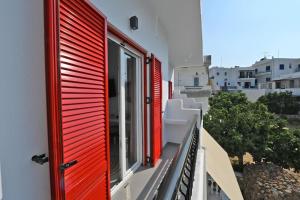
[(148, 160), (148, 100), (40, 159), (148, 60), (122, 44)]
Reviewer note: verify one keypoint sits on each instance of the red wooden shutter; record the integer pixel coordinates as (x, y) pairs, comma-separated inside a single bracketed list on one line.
[(156, 109), (170, 89), (82, 80)]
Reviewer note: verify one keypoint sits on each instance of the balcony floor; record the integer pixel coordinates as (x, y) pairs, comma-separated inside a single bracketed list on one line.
[(144, 182)]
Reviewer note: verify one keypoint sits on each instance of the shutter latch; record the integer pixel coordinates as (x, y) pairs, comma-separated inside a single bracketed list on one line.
[(68, 164)]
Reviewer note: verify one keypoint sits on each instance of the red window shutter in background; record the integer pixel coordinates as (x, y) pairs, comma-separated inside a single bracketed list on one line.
[(170, 89), (82, 79), (156, 109)]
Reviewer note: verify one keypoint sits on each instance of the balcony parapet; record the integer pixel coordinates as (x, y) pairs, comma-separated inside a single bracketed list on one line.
[(262, 73), (179, 116), (246, 77), (180, 176)]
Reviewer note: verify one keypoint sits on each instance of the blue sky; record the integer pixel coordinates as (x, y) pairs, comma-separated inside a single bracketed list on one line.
[(239, 32)]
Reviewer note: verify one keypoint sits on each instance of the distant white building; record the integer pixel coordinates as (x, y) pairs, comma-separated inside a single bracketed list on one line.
[(269, 70), (232, 78), (287, 82), (246, 79), (221, 77), (275, 74), (192, 77)]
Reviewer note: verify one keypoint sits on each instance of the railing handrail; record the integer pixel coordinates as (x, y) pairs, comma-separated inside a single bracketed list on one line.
[(166, 189)]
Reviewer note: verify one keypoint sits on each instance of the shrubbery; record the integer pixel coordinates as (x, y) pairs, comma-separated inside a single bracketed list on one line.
[(283, 149), (280, 103)]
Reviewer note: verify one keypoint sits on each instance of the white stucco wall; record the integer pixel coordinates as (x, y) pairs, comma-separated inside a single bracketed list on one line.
[(185, 76), (23, 119), (150, 34), (290, 66), (243, 82), (263, 78), (218, 77), (253, 94), (295, 91)]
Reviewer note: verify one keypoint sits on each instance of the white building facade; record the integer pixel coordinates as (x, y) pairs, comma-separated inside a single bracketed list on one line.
[(222, 78), (269, 70), (192, 76), (275, 74)]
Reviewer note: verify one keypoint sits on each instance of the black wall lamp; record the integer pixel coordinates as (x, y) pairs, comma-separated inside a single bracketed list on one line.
[(134, 22)]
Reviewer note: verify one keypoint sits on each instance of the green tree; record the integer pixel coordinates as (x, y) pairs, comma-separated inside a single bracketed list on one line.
[(280, 103), (241, 126), (226, 100)]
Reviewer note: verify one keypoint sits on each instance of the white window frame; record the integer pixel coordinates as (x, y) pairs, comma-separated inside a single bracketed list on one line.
[(126, 174)]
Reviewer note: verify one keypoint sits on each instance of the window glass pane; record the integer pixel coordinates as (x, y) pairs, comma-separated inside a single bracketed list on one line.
[(130, 112), (281, 66)]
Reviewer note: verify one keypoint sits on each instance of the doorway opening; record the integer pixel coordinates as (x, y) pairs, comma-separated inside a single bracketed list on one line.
[(247, 84), (196, 81), (125, 112)]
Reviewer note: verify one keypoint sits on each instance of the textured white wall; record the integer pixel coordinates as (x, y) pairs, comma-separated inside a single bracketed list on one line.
[(274, 64), (185, 76), (295, 91), (243, 82), (23, 118), (254, 94), (287, 70), (231, 78), (178, 119)]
